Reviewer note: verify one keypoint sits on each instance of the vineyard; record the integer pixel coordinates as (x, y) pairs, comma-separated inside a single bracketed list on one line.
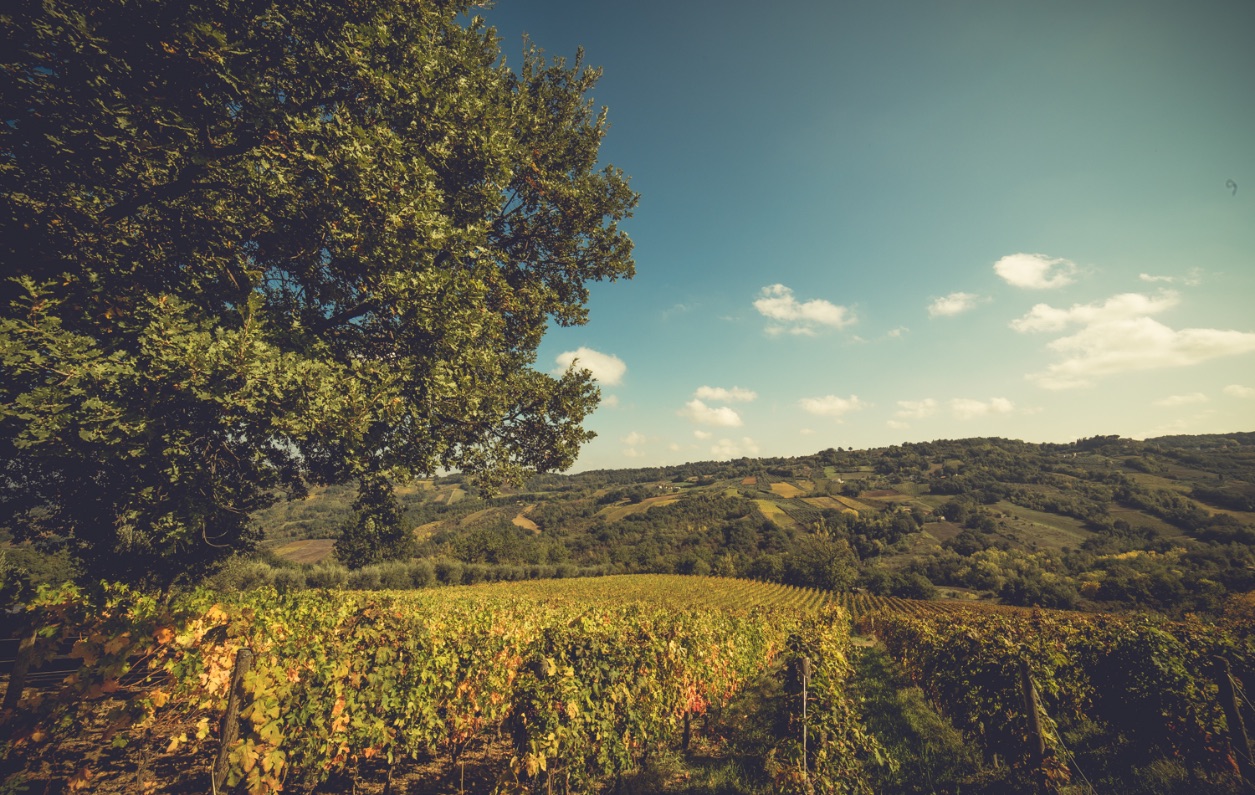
[(576, 685), (578, 681)]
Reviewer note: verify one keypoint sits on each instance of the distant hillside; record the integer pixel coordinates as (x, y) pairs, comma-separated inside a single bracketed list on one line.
[(1164, 522)]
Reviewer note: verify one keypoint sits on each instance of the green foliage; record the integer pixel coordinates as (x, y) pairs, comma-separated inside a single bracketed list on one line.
[(585, 692), (377, 532), (821, 562), (838, 750), (1125, 694), (23, 570), (251, 247), (931, 755)]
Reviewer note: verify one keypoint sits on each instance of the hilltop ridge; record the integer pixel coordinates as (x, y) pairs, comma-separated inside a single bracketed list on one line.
[(1165, 523)]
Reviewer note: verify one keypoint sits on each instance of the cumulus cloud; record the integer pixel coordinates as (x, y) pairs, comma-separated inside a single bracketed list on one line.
[(1135, 344), (1192, 278), (1118, 335), (700, 434), (776, 302), (916, 409), (807, 431), (832, 406), (967, 409), (700, 413), (727, 448), (610, 401), (721, 395), (898, 425), (952, 304), (1180, 400), (897, 332), (1044, 317), (1239, 391), (606, 368), (1036, 271)]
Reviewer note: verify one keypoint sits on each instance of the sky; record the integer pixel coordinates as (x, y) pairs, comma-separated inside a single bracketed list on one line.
[(869, 223)]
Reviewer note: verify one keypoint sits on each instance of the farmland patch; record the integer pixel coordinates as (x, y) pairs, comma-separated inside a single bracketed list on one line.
[(310, 551), (786, 490)]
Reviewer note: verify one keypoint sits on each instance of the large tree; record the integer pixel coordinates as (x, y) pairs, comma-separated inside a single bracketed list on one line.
[(250, 245)]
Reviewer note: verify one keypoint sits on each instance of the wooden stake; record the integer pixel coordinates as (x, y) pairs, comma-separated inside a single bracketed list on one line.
[(231, 720), (1037, 741), (1237, 729), (806, 678), (17, 680)]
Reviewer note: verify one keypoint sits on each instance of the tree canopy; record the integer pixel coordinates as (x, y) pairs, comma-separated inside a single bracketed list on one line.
[(252, 245)]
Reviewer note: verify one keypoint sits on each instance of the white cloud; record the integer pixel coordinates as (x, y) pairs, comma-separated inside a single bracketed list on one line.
[(897, 332), (634, 439), (721, 395), (952, 304), (700, 434), (967, 409), (832, 406), (1044, 317), (726, 448), (1180, 400), (605, 367), (632, 452), (673, 447), (799, 317), (1146, 277), (1118, 336), (1239, 391), (916, 409), (610, 401), (700, 413), (1036, 271), (807, 431), (897, 424), (1135, 344)]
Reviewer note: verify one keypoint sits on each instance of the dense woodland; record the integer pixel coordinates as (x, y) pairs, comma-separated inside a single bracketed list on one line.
[(1103, 522)]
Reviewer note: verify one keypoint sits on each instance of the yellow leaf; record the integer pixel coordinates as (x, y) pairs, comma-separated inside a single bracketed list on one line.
[(159, 698), (81, 779), (115, 645)]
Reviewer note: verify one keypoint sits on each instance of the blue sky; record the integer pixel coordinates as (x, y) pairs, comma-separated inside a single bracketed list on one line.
[(869, 223)]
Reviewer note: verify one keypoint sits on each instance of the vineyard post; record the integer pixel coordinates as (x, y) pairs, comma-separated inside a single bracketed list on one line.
[(1036, 739), (231, 720), (21, 667), (1233, 716), (806, 678)]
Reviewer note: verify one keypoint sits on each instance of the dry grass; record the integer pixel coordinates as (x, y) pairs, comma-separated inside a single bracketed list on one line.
[(828, 503), (786, 490), (614, 513), (309, 551), (853, 504), (774, 514), (522, 521)]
